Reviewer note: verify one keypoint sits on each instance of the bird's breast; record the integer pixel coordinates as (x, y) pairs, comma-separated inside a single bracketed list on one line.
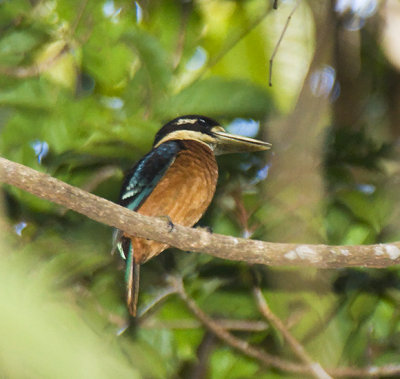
[(183, 194)]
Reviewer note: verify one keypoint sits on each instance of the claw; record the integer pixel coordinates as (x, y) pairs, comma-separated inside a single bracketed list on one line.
[(171, 225)]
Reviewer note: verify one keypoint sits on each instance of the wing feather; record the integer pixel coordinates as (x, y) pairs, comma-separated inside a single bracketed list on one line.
[(144, 176), (141, 181)]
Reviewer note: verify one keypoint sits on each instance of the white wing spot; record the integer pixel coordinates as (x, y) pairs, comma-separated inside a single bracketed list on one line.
[(128, 194)]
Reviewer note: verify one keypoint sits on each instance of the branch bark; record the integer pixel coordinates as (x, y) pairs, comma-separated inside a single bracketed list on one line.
[(197, 240)]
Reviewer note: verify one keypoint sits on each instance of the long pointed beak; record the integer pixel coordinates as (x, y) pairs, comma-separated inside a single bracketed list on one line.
[(233, 143)]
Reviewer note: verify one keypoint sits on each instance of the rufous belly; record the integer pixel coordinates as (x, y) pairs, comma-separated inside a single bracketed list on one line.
[(183, 194)]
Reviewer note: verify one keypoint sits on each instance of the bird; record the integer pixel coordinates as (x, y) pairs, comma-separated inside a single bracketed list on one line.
[(177, 180)]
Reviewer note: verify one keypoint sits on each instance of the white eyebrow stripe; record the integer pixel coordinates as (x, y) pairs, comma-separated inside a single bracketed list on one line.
[(186, 121)]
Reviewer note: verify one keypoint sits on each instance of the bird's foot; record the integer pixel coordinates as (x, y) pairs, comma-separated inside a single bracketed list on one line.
[(171, 225)]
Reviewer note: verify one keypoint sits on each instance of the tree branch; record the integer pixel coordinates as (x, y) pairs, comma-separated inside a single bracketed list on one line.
[(270, 360), (271, 60), (237, 343), (158, 229), (197, 240), (315, 368), (228, 324)]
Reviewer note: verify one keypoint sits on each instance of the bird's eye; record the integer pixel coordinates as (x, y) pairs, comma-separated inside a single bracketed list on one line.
[(202, 121)]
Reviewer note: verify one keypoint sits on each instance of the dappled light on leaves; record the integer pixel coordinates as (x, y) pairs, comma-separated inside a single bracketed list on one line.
[(84, 87)]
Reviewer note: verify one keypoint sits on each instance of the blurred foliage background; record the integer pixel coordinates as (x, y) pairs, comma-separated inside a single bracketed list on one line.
[(84, 86)]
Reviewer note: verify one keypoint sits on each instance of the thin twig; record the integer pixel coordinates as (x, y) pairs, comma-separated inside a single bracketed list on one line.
[(144, 312), (238, 325), (35, 69), (99, 177), (158, 229), (79, 14), (180, 44), (270, 360), (200, 366), (197, 240), (241, 213), (231, 44), (297, 348), (230, 339), (324, 322), (271, 61)]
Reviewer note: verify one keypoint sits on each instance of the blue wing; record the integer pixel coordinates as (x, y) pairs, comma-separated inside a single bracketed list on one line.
[(144, 176), (141, 181)]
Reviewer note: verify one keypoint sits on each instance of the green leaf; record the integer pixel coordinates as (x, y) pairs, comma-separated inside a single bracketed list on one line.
[(31, 93), (152, 56), (358, 234), (227, 364), (14, 46), (363, 307), (108, 62), (373, 209), (219, 98), (230, 303)]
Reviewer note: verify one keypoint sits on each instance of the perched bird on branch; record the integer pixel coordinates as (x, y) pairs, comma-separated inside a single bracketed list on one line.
[(177, 180)]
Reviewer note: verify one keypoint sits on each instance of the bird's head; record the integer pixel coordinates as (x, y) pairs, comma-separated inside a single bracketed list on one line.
[(209, 132)]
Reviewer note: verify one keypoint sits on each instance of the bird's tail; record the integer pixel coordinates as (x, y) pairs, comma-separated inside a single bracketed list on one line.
[(132, 289), (132, 283)]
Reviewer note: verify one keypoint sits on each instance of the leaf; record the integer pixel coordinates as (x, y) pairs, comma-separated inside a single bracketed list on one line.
[(152, 56), (358, 234), (14, 46), (374, 209), (230, 304), (31, 93), (227, 364), (153, 76), (363, 307), (108, 62), (217, 97)]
